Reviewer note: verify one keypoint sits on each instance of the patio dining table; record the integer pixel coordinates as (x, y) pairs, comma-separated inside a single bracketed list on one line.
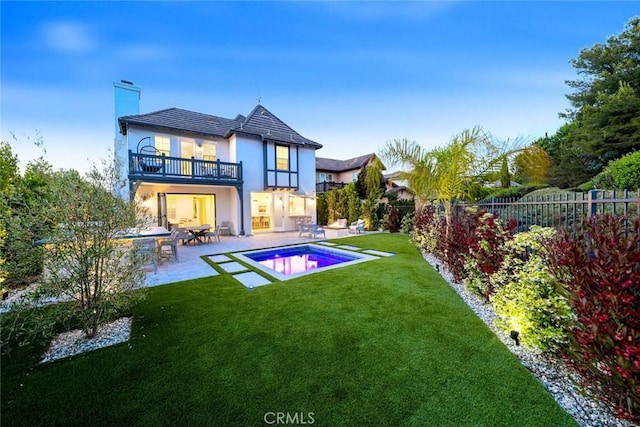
[(198, 231)]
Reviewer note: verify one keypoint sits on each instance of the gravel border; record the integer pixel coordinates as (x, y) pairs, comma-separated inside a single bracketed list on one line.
[(552, 373), (75, 342)]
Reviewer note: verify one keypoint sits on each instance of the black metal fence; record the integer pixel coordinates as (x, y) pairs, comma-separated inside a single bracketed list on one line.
[(563, 210), (323, 187)]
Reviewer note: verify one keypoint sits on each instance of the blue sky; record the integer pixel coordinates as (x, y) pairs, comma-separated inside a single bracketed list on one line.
[(350, 75)]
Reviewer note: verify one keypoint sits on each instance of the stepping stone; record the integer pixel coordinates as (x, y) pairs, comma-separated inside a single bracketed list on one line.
[(251, 279), (377, 253), (326, 243), (219, 258), (349, 247), (232, 267)]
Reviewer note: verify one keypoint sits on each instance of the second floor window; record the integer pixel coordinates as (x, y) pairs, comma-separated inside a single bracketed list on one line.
[(208, 152), (282, 157), (163, 145), (354, 176), (323, 177)]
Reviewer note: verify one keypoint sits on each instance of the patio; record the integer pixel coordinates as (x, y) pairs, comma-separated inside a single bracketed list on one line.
[(191, 265)]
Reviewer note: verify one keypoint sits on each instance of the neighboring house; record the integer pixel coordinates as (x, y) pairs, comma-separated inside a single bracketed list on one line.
[(498, 184), (254, 173), (331, 173), (397, 187)]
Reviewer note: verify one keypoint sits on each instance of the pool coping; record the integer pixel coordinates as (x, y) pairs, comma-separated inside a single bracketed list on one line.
[(360, 257)]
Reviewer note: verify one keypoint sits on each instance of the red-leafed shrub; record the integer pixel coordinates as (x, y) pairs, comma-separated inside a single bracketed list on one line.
[(455, 244), (599, 268), (485, 251)]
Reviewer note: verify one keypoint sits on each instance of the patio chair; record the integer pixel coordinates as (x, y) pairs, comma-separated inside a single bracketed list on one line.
[(225, 228), (303, 228), (184, 236), (357, 227), (315, 230), (171, 243), (147, 248), (213, 234)]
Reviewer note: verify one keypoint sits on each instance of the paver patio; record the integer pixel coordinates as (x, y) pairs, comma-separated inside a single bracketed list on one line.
[(192, 266)]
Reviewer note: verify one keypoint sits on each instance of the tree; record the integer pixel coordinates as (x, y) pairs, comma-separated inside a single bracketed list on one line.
[(354, 202), (604, 123), (532, 165), (446, 174), (505, 176), (604, 66), (84, 260), (22, 209)]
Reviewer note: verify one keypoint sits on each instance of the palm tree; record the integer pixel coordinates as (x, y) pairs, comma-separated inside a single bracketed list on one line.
[(445, 174)]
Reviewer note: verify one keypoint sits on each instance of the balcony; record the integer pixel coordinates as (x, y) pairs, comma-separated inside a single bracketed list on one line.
[(177, 170), (323, 187)]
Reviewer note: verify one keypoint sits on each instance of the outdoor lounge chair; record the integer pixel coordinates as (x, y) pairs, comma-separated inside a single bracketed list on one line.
[(357, 227), (339, 224)]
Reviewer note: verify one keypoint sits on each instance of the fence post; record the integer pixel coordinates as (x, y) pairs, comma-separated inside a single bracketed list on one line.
[(592, 207)]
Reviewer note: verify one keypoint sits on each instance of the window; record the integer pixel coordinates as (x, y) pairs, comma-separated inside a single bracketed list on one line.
[(209, 151), (282, 157), (296, 205), (354, 176), (330, 177), (163, 145), (323, 177)]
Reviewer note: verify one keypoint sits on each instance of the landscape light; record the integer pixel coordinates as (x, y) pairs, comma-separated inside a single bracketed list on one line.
[(515, 336)]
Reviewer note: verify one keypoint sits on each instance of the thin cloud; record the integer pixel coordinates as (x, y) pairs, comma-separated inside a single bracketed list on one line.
[(68, 37)]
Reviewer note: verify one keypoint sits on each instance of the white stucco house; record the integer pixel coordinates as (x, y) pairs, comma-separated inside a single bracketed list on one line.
[(253, 173)]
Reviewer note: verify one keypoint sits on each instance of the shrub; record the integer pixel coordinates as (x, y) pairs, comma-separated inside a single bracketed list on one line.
[(599, 267), (453, 246), (526, 296), (391, 220), (624, 172), (427, 230), (486, 246), (353, 202), (322, 209), (368, 211), (406, 225)]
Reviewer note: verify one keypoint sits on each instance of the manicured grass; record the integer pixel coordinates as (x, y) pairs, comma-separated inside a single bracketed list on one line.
[(386, 342)]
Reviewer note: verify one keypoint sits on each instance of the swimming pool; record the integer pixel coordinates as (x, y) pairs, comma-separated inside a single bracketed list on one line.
[(294, 261)]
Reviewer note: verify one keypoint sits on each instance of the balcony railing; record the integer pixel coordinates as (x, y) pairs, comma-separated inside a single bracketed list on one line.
[(166, 168), (323, 187)]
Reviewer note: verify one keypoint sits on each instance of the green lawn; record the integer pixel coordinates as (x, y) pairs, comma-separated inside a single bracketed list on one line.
[(386, 342)]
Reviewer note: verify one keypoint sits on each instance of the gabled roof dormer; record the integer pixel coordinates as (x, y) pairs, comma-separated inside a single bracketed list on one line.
[(261, 122)]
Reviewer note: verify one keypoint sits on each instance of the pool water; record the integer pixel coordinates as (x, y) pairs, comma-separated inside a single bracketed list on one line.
[(292, 261)]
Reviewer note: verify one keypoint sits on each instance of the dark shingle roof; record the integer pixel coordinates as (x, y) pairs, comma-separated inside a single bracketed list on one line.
[(260, 122), (342, 165), (181, 120)]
